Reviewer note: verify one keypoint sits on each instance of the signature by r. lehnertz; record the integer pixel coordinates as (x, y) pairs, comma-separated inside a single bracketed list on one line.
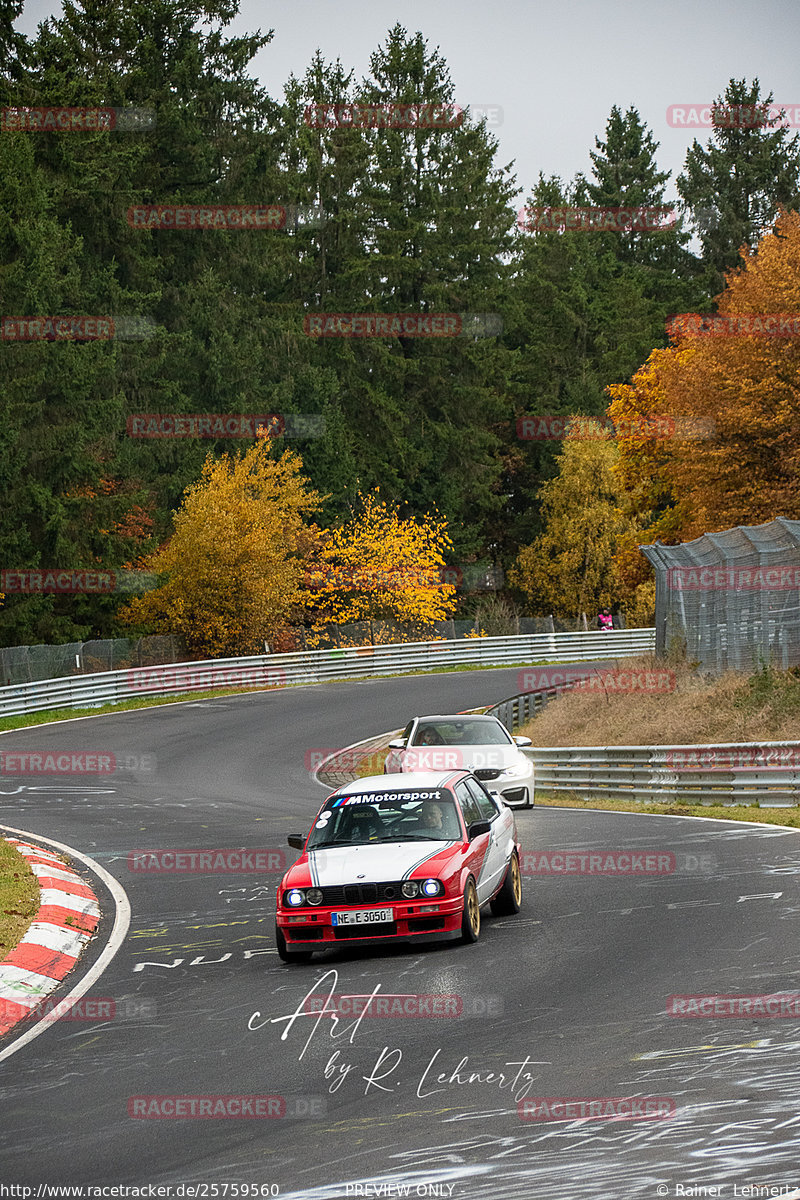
[(430, 1080)]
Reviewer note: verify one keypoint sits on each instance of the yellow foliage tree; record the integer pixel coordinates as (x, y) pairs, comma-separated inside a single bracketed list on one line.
[(381, 567), (569, 569), (737, 460), (236, 562)]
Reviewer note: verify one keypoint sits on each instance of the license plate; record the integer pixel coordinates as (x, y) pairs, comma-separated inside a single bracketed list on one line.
[(364, 916)]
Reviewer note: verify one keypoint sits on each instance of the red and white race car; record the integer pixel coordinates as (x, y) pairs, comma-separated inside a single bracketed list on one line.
[(411, 859)]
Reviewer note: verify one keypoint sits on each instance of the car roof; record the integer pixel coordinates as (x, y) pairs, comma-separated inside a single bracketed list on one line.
[(416, 780)]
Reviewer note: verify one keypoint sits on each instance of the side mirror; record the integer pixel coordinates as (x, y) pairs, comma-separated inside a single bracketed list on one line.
[(523, 741), (477, 828), (397, 744), (296, 841)]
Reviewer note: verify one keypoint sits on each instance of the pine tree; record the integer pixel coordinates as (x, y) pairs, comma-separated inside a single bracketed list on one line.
[(626, 176), (439, 222), (734, 185), (64, 503), (13, 49)]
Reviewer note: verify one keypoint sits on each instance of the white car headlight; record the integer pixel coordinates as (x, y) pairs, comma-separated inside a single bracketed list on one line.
[(517, 771)]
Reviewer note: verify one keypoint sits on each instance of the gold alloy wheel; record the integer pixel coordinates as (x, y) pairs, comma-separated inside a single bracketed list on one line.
[(473, 909), (516, 880)]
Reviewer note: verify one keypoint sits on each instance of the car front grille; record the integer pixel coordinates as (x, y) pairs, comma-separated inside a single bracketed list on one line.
[(363, 893), (487, 773)]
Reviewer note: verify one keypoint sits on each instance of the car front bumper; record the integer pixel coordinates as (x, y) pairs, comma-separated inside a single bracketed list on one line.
[(316, 932), (515, 795)]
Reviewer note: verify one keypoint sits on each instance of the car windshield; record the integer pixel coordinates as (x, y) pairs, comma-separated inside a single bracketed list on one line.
[(460, 732), (386, 817)]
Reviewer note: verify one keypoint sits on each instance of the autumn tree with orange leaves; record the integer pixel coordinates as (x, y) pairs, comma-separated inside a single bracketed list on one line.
[(379, 566), (724, 400), (236, 562)]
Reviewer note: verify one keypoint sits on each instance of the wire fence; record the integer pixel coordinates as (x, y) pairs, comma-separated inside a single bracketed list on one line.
[(380, 633), (732, 599), (29, 664)]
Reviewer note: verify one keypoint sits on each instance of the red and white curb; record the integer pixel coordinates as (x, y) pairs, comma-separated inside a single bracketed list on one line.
[(66, 921)]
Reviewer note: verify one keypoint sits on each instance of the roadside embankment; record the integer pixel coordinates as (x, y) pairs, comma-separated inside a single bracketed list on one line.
[(669, 705)]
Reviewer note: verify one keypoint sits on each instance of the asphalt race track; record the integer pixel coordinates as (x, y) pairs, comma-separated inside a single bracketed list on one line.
[(568, 999)]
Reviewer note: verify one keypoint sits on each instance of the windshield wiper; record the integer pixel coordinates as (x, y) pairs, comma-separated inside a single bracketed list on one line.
[(334, 842), (406, 837), (423, 837)]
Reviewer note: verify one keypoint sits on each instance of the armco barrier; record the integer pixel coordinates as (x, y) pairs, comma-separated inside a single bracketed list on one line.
[(728, 773), (315, 666), (518, 710), (649, 773)]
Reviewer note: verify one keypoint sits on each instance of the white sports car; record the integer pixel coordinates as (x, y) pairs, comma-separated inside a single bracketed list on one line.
[(475, 743)]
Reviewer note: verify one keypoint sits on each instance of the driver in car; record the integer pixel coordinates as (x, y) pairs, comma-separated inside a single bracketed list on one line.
[(432, 821)]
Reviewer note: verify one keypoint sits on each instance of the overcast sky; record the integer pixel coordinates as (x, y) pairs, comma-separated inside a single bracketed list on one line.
[(553, 69)]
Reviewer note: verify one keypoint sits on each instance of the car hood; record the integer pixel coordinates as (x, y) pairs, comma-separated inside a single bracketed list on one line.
[(378, 864), (468, 758)]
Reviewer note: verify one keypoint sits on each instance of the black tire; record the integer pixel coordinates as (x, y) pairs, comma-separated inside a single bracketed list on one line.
[(509, 899), (289, 956), (471, 920)]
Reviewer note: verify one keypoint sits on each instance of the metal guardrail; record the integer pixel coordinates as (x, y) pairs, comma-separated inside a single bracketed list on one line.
[(314, 666), (729, 773), (519, 710)]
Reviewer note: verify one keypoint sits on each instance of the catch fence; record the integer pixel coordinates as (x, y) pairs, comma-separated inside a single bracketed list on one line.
[(731, 599)]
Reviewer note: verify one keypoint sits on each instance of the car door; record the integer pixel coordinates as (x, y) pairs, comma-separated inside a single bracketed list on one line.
[(478, 859), (496, 856)]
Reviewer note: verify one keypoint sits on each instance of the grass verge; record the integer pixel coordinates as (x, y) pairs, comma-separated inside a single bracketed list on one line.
[(19, 897), (734, 812)]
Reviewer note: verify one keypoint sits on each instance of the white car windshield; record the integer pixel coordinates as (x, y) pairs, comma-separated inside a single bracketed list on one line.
[(460, 732), (386, 817)]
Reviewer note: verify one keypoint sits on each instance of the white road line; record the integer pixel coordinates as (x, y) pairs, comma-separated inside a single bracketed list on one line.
[(122, 920)]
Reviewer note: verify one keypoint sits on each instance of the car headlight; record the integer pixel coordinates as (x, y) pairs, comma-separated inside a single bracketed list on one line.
[(432, 887), (410, 889), (314, 896), (517, 771), (294, 898)]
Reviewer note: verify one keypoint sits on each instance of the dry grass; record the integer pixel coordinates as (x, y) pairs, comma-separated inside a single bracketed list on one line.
[(729, 708), (19, 897)]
